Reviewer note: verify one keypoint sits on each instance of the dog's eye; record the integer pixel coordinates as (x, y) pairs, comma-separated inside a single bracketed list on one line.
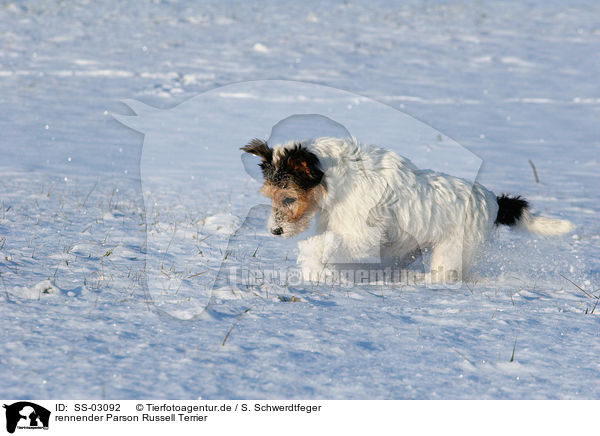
[(288, 200)]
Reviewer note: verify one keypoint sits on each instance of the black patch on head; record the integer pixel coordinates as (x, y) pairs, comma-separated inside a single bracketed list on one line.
[(301, 166), (510, 209), (296, 166)]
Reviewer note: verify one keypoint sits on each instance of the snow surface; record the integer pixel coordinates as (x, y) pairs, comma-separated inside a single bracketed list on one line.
[(112, 243)]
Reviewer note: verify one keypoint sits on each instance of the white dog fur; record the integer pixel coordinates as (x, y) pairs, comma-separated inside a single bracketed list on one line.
[(370, 203)]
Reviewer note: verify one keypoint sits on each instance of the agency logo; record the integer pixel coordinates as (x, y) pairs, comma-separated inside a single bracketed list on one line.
[(26, 415)]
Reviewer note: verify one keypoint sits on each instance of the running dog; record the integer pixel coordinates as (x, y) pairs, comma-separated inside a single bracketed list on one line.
[(368, 202)]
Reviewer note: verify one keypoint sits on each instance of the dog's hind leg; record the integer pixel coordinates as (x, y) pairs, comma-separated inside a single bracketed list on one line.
[(447, 263), (400, 250)]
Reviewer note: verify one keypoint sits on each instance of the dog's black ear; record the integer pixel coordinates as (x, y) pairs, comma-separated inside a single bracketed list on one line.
[(259, 148), (303, 165)]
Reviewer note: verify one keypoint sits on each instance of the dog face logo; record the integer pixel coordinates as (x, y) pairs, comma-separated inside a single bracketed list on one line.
[(26, 415), (293, 182)]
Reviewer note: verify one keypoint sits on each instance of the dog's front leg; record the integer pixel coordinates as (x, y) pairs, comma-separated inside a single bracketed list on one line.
[(316, 254)]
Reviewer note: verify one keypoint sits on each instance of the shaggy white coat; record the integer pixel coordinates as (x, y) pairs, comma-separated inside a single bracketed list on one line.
[(378, 205)]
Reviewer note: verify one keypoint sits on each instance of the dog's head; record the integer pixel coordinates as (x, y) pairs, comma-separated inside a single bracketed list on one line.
[(294, 183)]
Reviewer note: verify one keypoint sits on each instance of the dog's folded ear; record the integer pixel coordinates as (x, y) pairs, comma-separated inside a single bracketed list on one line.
[(303, 165), (259, 148)]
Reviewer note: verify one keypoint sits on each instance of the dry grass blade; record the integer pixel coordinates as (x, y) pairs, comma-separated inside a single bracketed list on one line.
[(235, 324), (579, 287), (512, 358), (227, 335), (197, 274), (535, 174), (457, 352), (595, 304)]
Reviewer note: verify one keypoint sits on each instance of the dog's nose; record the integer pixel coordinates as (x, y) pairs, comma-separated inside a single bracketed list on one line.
[(277, 231)]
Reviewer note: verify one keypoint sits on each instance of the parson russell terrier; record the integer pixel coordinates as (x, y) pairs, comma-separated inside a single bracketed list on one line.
[(368, 202)]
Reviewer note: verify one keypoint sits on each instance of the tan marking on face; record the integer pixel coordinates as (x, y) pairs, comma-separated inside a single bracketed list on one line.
[(292, 207)]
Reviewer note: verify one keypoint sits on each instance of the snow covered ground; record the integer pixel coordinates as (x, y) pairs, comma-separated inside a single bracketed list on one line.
[(113, 243)]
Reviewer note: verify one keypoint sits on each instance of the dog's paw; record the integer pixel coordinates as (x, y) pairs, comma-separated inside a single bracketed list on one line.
[(315, 256), (310, 266), (321, 275), (323, 248)]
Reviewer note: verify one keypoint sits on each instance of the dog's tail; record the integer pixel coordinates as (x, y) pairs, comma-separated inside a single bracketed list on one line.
[(514, 212)]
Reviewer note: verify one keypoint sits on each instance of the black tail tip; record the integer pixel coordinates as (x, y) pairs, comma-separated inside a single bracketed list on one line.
[(510, 209)]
